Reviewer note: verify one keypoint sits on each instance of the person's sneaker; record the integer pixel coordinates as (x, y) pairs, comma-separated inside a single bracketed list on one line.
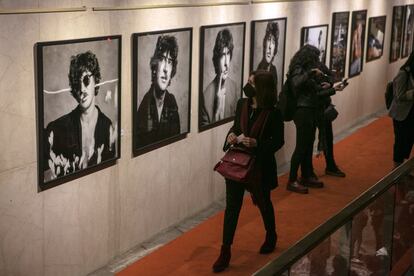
[(335, 172), (382, 252), (295, 186), (311, 182)]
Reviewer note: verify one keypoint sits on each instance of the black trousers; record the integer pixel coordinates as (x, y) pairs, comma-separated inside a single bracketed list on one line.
[(234, 201), (305, 122), (325, 142), (403, 137)]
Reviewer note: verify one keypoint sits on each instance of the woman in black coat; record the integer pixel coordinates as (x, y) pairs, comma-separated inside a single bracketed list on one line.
[(309, 85), (402, 111), (261, 92)]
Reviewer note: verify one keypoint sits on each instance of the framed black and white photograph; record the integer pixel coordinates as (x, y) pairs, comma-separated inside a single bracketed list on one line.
[(221, 73), (408, 37), (376, 34), (267, 50), (339, 42), (356, 49), (396, 32), (78, 112), (161, 63), (316, 36)]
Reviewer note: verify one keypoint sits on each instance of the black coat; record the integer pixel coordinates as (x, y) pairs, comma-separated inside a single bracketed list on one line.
[(271, 140), (307, 88), (150, 128), (67, 139)]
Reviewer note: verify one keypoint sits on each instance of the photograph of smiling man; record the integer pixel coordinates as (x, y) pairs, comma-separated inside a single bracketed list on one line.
[(161, 88), (78, 103), (221, 71)]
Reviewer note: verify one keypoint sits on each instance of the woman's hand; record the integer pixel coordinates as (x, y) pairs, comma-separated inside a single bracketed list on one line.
[(339, 87), (325, 85), (249, 142), (232, 138)]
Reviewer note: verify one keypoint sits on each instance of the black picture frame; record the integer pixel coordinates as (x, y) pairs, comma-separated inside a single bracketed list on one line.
[(59, 134), (356, 56), (149, 133), (257, 35), (397, 29), (376, 37), (408, 36), (207, 77), (312, 34), (339, 44)]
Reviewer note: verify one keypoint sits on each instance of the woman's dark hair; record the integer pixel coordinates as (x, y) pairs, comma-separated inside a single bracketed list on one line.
[(78, 65), (272, 29), (409, 63), (224, 39), (165, 44), (265, 89), (307, 57)]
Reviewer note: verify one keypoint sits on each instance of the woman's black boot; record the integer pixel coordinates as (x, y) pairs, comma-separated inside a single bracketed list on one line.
[(269, 244), (223, 260)]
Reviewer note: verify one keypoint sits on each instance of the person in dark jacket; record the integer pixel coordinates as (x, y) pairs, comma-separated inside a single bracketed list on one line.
[(261, 98), (402, 111), (85, 136), (305, 76), (157, 116), (324, 126)]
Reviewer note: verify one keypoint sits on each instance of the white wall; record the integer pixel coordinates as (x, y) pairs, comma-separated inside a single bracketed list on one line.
[(79, 226)]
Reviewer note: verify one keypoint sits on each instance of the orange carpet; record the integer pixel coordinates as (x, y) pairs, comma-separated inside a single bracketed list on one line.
[(365, 156)]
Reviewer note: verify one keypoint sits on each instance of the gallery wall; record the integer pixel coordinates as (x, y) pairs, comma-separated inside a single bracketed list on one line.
[(77, 227)]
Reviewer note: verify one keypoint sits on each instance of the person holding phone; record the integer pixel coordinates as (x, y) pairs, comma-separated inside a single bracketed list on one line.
[(324, 125), (308, 84)]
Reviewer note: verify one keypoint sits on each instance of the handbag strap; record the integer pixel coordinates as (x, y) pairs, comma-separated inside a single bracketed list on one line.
[(258, 126)]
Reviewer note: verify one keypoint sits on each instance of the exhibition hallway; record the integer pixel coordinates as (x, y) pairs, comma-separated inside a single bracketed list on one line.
[(365, 156)]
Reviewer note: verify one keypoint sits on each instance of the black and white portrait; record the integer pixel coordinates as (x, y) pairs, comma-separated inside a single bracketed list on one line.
[(408, 38), (316, 36), (356, 50), (339, 42), (376, 33), (78, 89), (268, 38), (161, 88), (396, 32), (221, 73)]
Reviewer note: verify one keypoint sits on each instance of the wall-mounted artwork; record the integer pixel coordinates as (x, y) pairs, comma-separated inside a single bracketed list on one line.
[(161, 63), (408, 38), (356, 49), (78, 96), (396, 32), (339, 41), (376, 33), (316, 36), (221, 73), (268, 40)]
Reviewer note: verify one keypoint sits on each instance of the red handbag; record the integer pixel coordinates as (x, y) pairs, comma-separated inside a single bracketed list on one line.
[(239, 162)]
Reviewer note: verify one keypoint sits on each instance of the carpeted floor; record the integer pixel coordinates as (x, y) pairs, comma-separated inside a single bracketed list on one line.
[(365, 156)]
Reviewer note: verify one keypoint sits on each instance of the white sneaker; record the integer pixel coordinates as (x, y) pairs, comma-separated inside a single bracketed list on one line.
[(382, 252)]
